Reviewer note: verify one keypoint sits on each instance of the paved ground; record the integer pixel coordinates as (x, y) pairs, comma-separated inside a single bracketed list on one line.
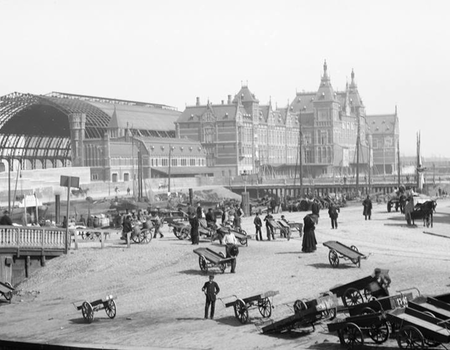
[(158, 286)]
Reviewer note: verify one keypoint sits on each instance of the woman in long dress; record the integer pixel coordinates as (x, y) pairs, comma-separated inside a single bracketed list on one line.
[(309, 236)]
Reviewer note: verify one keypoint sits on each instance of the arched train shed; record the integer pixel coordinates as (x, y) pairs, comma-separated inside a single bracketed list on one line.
[(42, 131)]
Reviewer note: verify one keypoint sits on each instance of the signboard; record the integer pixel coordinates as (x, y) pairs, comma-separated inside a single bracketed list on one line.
[(74, 181)]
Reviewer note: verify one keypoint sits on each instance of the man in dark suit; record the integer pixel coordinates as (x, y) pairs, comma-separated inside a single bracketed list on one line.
[(211, 289)]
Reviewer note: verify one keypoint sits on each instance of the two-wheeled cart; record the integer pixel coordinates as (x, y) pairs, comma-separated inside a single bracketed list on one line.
[(341, 251), (6, 289), (88, 308), (360, 291), (261, 301), (306, 314), (208, 258), (417, 329), (351, 330)]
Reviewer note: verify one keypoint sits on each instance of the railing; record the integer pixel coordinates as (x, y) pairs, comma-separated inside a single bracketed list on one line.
[(33, 237)]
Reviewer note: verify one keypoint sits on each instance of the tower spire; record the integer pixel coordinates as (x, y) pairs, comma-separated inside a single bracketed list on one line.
[(353, 83)]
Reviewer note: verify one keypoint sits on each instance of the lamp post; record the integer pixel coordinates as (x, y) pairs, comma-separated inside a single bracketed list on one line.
[(244, 175), (245, 195)]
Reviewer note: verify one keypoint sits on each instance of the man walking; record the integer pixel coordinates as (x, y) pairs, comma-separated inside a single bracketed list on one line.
[(258, 225), (333, 213), (367, 212), (211, 289)]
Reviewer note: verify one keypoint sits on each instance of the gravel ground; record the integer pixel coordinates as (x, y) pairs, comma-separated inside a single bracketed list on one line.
[(158, 286)]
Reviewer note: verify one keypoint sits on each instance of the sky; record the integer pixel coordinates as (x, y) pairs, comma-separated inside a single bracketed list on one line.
[(170, 52)]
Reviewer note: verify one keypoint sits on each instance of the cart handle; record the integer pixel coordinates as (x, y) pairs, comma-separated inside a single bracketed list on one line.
[(404, 290)]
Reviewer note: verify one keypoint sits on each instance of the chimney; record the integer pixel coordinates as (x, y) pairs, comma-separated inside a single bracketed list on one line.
[(197, 103), (229, 99), (223, 102)]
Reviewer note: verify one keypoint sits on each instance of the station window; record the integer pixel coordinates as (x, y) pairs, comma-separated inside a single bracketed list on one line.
[(126, 177), (114, 177), (94, 177)]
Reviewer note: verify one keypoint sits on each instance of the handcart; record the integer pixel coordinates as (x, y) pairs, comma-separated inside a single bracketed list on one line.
[(351, 330), (307, 313), (208, 258), (285, 229), (351, 292), (417, 329), (341, 251), (382, 304), (6, 289), (240, 234), (431, 306), (261, 301), (88, 308)]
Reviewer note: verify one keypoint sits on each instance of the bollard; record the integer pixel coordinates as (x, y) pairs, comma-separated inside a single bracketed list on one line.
[(75, 239), (128, 239), (102, 239)]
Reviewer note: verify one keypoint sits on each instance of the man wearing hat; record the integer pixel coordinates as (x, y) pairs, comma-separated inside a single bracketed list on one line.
[(211, 289), (383, 280), (5, 220)]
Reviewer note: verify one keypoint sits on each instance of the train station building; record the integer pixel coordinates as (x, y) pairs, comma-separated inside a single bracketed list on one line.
[(241, 134)]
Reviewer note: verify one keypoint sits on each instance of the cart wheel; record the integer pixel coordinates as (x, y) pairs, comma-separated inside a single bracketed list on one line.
[(240, 311), (177, 233), (265, 307), (87, 311), (111, 308), (352, 297), (353, 247), (329, 314), (333, 257), (185, 233), (379, 333), (409, 337), (351, 336), (135, 238), (222, 267), (221, 254), (146, 236), (202, 263), (299, 306)]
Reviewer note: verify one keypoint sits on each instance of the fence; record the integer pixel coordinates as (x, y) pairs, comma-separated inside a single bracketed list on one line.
[(33, 237)]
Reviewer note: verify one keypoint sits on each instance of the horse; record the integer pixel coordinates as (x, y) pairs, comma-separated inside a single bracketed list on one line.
[(425, 212)]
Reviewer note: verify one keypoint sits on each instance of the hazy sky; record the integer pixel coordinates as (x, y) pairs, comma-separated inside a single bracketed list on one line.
[(172, 51)]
